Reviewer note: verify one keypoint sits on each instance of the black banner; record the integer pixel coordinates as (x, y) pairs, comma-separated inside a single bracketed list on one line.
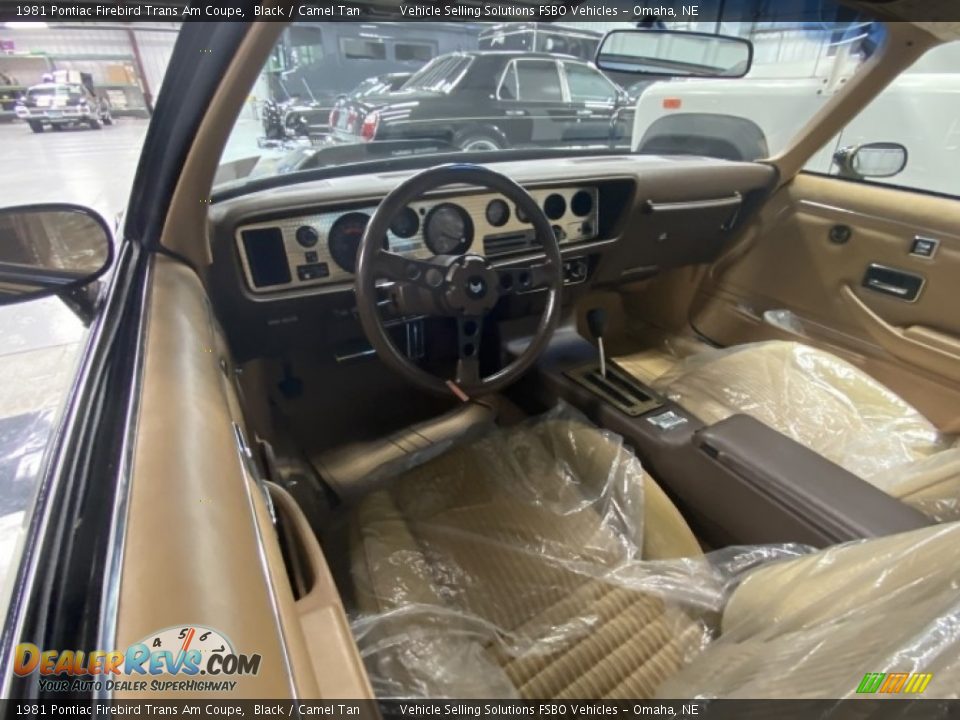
[(445, 11), (488, 709)]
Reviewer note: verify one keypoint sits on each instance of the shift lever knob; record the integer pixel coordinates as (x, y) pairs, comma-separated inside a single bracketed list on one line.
[(597, 324)]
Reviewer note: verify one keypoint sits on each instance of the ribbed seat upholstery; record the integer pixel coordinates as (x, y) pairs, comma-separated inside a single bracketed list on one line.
[(513, 568), (504, 553)]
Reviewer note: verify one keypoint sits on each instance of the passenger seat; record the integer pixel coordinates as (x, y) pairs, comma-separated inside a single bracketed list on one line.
[(825, 404)]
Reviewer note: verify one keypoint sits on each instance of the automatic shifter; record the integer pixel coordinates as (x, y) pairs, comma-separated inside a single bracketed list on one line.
[(597, 324)]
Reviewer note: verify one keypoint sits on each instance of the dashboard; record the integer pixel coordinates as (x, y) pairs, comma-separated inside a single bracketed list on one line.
[(281, 259), (320, 248)]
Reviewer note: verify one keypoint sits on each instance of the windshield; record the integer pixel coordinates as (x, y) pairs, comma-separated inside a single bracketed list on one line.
[(336, 94), (53, 90)]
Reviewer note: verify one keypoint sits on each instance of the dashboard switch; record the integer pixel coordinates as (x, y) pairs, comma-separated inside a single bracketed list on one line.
[(314, 271)]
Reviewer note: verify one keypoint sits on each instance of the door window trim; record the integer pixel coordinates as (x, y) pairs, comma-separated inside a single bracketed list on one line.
[(565, 81), (564, 91)]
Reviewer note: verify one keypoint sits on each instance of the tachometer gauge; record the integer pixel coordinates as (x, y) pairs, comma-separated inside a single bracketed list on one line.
[(406, 223), (448, 230), (344, 239)]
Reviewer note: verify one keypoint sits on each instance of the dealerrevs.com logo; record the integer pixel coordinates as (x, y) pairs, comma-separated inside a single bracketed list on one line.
[(191, 658)]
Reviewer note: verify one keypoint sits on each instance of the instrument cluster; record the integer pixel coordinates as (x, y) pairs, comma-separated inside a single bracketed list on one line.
[(321, 248)]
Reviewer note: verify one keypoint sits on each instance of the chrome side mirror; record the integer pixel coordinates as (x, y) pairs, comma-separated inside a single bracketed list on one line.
[(50, 250), (871, 160)]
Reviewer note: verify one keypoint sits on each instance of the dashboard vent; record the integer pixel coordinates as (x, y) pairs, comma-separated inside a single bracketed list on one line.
[(509, 242)]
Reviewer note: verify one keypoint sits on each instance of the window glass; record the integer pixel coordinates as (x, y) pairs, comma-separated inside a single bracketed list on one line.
[(587, 84), (508, 85), (918, 112), (539, 81), (363, 49), (414, 51)]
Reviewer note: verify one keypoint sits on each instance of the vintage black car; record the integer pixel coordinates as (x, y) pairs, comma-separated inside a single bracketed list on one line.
[(527, 99), (316, 120)]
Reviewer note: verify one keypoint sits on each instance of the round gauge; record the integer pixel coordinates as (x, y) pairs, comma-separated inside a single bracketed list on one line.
[(521, 215), (554, 206), (344, 239), (198, 639), (448, 230), (581, 203), (498, 212), (406, 223), (307, 237)]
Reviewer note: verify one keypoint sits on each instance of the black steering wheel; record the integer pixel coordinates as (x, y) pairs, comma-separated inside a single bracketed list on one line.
[(465, 287)]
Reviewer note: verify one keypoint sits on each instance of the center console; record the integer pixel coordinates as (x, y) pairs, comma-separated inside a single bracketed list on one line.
[(737, 481)]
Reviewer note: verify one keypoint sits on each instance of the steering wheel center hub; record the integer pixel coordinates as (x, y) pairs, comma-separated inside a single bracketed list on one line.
[(472, 285)]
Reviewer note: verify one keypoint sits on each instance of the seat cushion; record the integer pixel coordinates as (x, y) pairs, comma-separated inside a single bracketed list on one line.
[(490, 571), (822, 402), (812, 627)]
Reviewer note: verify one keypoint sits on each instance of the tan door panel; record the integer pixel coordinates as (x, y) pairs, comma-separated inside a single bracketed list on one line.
[(787, 262), (200, 548)]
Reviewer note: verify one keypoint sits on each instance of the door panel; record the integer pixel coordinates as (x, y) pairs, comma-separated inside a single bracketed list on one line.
[(803, 271), (200, 548)]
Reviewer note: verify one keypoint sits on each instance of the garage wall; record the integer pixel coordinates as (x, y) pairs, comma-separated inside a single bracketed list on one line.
[(156, 43)]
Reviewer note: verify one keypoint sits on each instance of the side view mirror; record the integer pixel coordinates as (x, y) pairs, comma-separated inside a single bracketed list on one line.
[(50, 250), (673, 53), (872, 160)]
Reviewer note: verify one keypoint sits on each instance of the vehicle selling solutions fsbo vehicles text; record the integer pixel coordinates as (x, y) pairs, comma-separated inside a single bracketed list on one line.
[(425, 10)]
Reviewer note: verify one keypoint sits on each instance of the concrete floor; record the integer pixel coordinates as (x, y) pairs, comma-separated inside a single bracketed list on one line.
[(40, 340)]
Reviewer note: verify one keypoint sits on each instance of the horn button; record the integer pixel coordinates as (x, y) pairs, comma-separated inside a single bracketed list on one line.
[(472, 285)]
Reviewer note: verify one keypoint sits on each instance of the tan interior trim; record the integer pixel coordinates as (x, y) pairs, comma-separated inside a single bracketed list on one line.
[(337, 667), (183, 231), (920, 346), (201, 547), (905, 43)]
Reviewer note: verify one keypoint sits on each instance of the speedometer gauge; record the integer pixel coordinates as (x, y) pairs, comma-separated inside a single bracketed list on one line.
[(448, 230), (344, 239)]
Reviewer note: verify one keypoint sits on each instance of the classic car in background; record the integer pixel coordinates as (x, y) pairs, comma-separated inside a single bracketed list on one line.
[(68, 98), (316, 120), (528, 99)]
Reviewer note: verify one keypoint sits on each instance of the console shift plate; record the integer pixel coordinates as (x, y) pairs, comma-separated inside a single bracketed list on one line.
[(617, 387)]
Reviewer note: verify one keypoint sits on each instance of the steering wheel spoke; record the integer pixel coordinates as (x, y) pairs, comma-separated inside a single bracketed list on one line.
[(397, 268), (525, 279), (469, 330)]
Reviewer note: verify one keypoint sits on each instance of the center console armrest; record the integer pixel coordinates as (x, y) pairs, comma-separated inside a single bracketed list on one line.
[(738, 482), (769, 478)]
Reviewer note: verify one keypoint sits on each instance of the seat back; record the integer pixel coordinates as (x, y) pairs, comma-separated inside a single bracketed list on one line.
[(816, 625)]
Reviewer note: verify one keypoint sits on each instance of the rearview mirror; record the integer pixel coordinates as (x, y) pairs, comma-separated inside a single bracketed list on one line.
[(50, 249), (670, 53), (872, 160)]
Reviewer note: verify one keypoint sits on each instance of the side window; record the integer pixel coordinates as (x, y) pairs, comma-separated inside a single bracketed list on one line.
[(914, 118), (587, 84), (421, 52), (361, 49), (538, 81), (508, 85)]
